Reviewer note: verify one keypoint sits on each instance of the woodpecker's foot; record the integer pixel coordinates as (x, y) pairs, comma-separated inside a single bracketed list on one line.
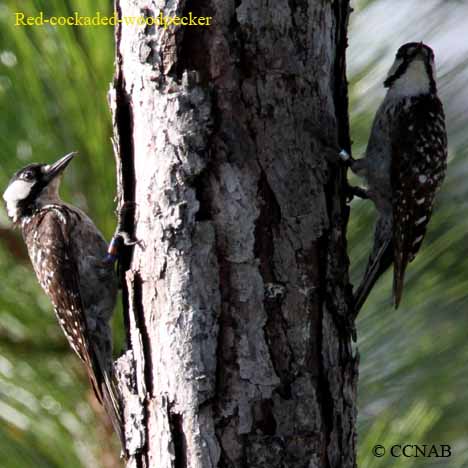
[(345, 156), (127, 239), (357, 192), (119, 239), (127, 210)]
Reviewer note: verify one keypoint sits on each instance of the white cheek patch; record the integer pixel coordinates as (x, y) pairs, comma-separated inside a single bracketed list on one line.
[(16, 191), (414, 80)]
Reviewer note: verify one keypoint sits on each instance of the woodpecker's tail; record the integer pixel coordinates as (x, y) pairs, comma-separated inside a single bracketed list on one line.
[(398, 282), (112, 405), (380, 260), (107, 393)]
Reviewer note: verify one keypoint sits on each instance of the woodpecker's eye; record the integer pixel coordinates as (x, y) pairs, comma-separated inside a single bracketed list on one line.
[(27, 175)]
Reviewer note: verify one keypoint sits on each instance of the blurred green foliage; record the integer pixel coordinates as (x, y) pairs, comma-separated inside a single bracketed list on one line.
[(413, 376), (53, 84)]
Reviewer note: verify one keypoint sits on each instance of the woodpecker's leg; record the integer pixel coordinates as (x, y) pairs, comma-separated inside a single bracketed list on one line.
[(358, 166), (113, 250), (121, 236), (358, 192)]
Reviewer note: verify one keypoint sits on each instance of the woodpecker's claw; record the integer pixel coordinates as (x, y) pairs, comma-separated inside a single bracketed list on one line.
[(121, 237), (352, 191), (345, 156), (128, 240), (357, 192)]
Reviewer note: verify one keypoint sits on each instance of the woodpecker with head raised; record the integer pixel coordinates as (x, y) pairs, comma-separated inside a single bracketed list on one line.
[(404, 164), (67, 252)]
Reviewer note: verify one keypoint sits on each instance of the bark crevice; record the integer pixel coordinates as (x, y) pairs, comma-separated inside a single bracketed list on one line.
[(179, 441)]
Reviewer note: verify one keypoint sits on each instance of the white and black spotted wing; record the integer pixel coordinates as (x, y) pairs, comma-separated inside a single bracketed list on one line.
[(47, 237), (58, 276), (419, 159)]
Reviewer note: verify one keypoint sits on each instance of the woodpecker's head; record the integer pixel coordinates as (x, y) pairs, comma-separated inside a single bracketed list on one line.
[(413, 72), (33, 187)]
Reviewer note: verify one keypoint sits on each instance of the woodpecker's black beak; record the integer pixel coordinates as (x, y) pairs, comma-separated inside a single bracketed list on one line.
[(58, 167)]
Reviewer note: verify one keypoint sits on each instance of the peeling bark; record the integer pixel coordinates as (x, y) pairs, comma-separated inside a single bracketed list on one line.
[(237, 302)]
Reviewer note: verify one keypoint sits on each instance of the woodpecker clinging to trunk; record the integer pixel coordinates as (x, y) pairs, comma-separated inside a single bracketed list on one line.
[(67, 253), (405, 164)]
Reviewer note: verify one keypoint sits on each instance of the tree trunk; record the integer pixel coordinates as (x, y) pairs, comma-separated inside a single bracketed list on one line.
[(237, 300)]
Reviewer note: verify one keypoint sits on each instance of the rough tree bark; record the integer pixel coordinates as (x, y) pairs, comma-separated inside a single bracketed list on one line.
[(237, 303)]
